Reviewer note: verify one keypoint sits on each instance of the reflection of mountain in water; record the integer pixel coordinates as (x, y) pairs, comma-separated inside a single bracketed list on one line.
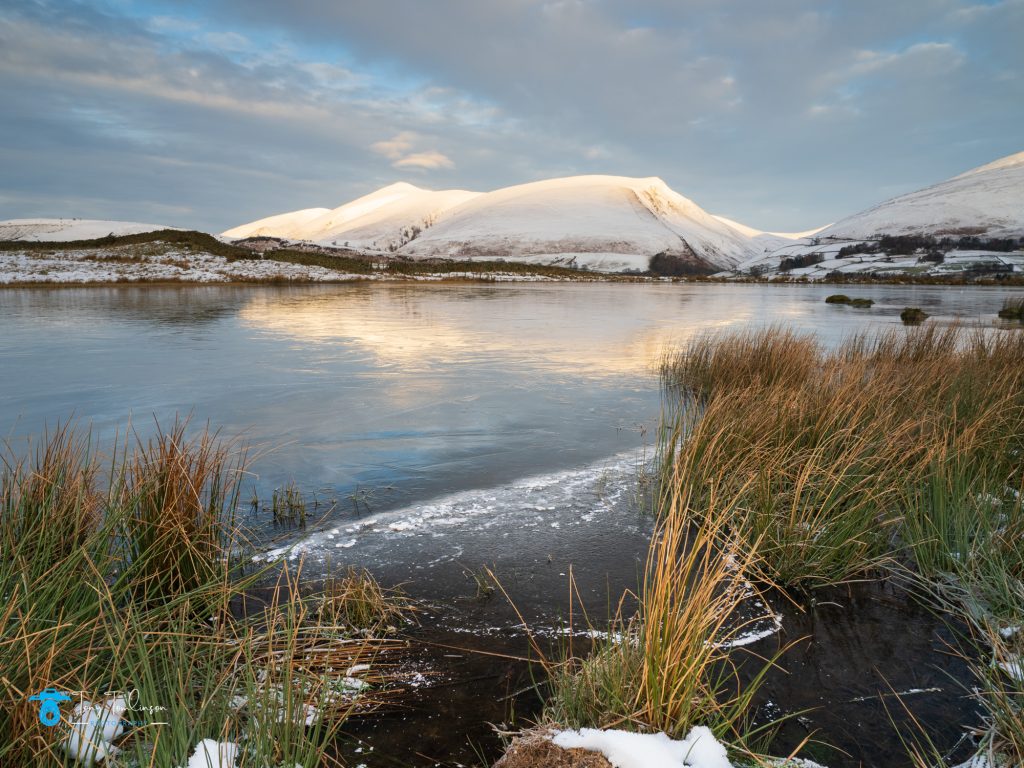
[(161, 305), (591, 330)]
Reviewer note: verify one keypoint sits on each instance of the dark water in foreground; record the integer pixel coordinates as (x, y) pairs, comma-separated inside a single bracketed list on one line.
[(447, 428)]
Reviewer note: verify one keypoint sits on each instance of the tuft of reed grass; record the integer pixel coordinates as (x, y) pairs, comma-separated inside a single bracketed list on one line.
[(288, 505), (178, 495), (358, 601), (770, 356)]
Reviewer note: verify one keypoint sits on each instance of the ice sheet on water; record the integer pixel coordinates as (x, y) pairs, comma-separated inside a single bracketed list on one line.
[(556, 500)]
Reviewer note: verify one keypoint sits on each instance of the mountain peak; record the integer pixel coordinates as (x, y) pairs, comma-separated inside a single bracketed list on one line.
[(1010, 161)]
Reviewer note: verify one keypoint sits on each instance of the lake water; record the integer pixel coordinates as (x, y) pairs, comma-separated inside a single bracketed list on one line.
[(441, 428)]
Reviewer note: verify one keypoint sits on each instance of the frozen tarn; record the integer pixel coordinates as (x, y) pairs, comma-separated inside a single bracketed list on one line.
[(984, 760), (908, 692), (700, 748), (569, 498)]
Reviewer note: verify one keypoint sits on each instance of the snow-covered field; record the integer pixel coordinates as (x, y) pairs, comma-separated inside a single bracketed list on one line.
[(159, 262), (64, 230), (956, 262), (131, 264)]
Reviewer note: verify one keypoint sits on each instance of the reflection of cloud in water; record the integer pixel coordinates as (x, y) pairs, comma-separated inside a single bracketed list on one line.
[(592, 329)]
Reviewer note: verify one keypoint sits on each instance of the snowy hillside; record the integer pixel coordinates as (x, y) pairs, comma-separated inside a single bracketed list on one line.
[(53, 230), (607, 223), (277, 226), (985, 201), (768, 241), (381, 221), (964, 226)]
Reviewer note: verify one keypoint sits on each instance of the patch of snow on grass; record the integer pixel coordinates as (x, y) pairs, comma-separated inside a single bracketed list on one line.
[(213, 754), (700, 748), (155, 264), (1014, 667), (93, 729)]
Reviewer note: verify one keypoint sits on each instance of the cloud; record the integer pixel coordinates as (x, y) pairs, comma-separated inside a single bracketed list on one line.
[(395, 147), (929, 59), (427, 160), (399, 148), (738, 104)]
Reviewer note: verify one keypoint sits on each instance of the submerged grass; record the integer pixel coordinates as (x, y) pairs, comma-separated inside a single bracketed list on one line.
[(136, 586)]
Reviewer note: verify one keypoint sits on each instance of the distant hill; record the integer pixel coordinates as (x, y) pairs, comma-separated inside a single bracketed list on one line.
[(63, 230)]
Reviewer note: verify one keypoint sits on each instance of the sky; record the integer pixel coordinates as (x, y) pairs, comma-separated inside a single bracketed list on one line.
[(783, 115)]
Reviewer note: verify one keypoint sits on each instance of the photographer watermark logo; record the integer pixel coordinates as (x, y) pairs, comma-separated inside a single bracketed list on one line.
[(49, 705)]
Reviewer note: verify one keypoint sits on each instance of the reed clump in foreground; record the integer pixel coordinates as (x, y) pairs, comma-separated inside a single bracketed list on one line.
[(674, 665), (895, 453), (133, 582)]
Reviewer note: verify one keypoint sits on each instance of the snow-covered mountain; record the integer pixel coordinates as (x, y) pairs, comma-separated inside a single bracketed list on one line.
[(281, 225), (607, 223), (381, 221), (984, 201), (54, 230)]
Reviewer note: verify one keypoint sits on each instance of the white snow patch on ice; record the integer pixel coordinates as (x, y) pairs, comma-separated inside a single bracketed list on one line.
[(753, 635)]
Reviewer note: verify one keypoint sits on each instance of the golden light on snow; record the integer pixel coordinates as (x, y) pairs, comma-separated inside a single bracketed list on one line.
[(425, 326)]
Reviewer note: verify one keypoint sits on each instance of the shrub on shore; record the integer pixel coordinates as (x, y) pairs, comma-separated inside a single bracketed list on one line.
[(913, 315), (1013, 309)]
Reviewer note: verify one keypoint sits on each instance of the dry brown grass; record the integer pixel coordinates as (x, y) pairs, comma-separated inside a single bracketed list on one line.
[(824, 457), (533, 749)]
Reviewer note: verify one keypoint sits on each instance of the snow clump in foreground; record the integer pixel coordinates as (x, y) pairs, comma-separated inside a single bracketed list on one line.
[(700, 748)]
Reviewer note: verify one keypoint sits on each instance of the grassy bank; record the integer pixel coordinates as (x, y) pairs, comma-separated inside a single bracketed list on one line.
[(126, 578), (892, 456)]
